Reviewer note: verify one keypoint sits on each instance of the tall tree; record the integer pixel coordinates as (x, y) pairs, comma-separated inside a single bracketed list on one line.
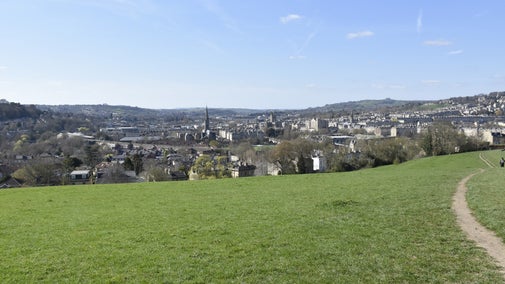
[(204, 167), (38, 173), (128, 164), (284, 155), (92, 155), (441, 138), (138, 164)]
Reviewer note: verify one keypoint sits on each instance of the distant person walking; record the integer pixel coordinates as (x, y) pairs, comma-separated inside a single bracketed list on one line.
[(502, 162)]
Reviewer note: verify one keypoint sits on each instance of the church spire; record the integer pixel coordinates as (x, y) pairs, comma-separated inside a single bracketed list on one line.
[(207, 122)]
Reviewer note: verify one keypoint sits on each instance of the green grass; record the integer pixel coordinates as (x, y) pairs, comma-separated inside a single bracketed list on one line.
[(386, 225), (486, 194)]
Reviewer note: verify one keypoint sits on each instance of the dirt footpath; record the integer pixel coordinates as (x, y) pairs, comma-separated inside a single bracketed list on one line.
[(476, 232)]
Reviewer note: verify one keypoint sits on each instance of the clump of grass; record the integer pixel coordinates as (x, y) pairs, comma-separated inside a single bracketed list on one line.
[(336, 204)]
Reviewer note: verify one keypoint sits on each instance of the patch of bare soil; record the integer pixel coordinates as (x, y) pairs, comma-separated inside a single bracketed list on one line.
[(483, 237)]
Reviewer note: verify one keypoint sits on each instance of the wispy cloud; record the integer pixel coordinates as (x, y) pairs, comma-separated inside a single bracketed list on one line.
[(480, 14), (297, 57), (307, 41), (455, 52), (298, 53), (420, 21), (439, 42), (290, 18), (396, 86), (212, 46), (3, 67), (366, 33), (213, 7), (431, 82)]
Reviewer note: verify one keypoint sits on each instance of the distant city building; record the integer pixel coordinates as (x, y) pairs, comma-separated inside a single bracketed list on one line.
[(317, 124), (319, 163), (272, 118), (383, 131), (82, 176), (243, 170)]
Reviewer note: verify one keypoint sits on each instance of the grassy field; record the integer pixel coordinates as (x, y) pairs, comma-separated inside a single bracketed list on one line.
[(486, 194), (385, 225)]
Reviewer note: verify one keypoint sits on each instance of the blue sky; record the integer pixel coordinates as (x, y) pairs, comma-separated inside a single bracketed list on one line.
[(248, 53)]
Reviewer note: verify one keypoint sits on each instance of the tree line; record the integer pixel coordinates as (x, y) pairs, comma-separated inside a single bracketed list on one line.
[(294, 156)]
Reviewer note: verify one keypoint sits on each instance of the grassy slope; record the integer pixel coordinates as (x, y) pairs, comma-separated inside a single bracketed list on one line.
[(390, 224), (486, 195)]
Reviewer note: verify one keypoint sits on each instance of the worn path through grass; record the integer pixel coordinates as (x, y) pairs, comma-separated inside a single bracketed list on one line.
[(485, 197), (476, 232)]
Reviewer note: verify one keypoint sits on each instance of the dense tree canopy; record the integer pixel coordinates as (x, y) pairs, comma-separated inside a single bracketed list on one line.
[(15, 111)]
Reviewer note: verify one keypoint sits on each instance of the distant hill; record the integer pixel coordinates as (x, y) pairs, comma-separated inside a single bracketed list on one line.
[(100, 110), (368, 105), (104, 110), (383, 105), (125, 111), (9, 111)]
